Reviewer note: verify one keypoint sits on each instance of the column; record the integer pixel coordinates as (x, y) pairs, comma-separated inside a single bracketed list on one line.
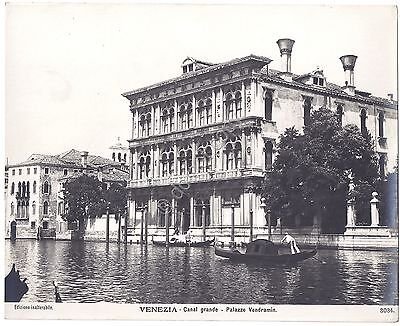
[(192, 215), (212, 207), (153, 120), (136, 165), (244, 146), (134, 118), (194, 111), (175, 115), (159, 118), (244, 99), (203, 220), (194, 163), (214, 106), (131, 162), (175, 159), (232, 242), (222, 109), (374, 209), (152, 161), (157, 167)]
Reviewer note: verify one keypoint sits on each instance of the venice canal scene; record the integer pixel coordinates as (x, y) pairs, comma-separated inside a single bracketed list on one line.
[(201, 175), (95, 272)]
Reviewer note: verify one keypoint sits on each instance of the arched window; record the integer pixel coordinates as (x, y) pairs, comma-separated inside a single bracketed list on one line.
[(144, 125), (363, 122), (229, 106), (23, 189), (60, 208), (185, 160), (45, 208), (339, 114), (113, 156), (28, 188), (185, 116), (204, 157), (125, 157), (238, 104), (46, 187), (144, 165), (119, 157), (233, 154), (268, 105), (34, 208), (12, 208), (208, 109), (19, 189), (171, 119), (307, 111), (381, 119), (167, 120), (201, 113), (268, 155), (34, 187), (12, 188), (167, 162)]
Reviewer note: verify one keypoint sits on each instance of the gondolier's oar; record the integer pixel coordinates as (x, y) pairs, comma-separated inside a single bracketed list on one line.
[(321, 261), (57, 295)]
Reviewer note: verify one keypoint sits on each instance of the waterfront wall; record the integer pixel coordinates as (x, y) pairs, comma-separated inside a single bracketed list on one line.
[(382, 238)]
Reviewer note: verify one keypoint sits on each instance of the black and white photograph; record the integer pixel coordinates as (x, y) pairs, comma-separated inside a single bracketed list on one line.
[(201, 161)]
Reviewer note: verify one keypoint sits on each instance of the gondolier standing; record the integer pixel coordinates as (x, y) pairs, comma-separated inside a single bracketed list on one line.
[(293, 245)]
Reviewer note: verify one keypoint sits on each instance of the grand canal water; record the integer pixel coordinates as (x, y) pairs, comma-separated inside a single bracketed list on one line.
[(93, 272)]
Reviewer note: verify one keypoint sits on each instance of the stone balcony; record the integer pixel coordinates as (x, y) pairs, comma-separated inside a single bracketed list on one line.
[(197, 177)]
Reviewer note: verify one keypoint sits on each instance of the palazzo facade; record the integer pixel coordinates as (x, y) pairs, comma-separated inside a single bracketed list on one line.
[(202, 142)]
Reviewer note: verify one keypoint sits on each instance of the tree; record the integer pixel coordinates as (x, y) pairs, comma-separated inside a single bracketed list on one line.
[(310, 173), (116, 197), (84, 199)]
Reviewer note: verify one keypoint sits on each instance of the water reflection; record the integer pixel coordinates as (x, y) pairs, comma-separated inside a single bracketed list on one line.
[(95, 272)]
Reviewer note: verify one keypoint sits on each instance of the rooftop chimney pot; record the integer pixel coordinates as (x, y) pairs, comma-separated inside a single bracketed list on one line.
[(348, 62), (285, 47), (84, 156)]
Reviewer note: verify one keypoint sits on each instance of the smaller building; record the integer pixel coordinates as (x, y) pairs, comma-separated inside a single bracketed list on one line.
[(34, 201), (120, 153)]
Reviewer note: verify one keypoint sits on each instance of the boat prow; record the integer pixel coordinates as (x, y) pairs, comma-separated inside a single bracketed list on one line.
[(263, 252)]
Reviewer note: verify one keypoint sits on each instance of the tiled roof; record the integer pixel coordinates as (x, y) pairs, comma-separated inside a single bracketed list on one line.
[(69, 158), (214, 67), (274, 75)]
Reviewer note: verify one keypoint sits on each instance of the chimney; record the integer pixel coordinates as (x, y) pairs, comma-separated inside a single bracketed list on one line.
[(285, 46), (390, 98), (84, 156), (348, 62)]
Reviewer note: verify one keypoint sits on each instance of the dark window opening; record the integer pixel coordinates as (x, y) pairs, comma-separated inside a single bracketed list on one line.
[(321, 82), (315, 80), (381, 124), (363, 118), (339, 112), (307, 111), (268, 155), (268, 105)]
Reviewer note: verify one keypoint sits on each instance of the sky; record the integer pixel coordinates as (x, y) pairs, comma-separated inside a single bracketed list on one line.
[(67, 64)]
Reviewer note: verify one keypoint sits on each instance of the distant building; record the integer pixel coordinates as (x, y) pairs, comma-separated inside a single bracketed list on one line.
[(120, 153), (202, 142), (34, 196)]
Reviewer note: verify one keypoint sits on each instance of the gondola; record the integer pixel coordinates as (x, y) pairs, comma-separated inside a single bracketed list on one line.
[(15, 289), (206, 243), (263, 252)]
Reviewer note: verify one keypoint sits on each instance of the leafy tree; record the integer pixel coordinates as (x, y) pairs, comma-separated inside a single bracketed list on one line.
[(116, 197), (84, 199), (310, 173)]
